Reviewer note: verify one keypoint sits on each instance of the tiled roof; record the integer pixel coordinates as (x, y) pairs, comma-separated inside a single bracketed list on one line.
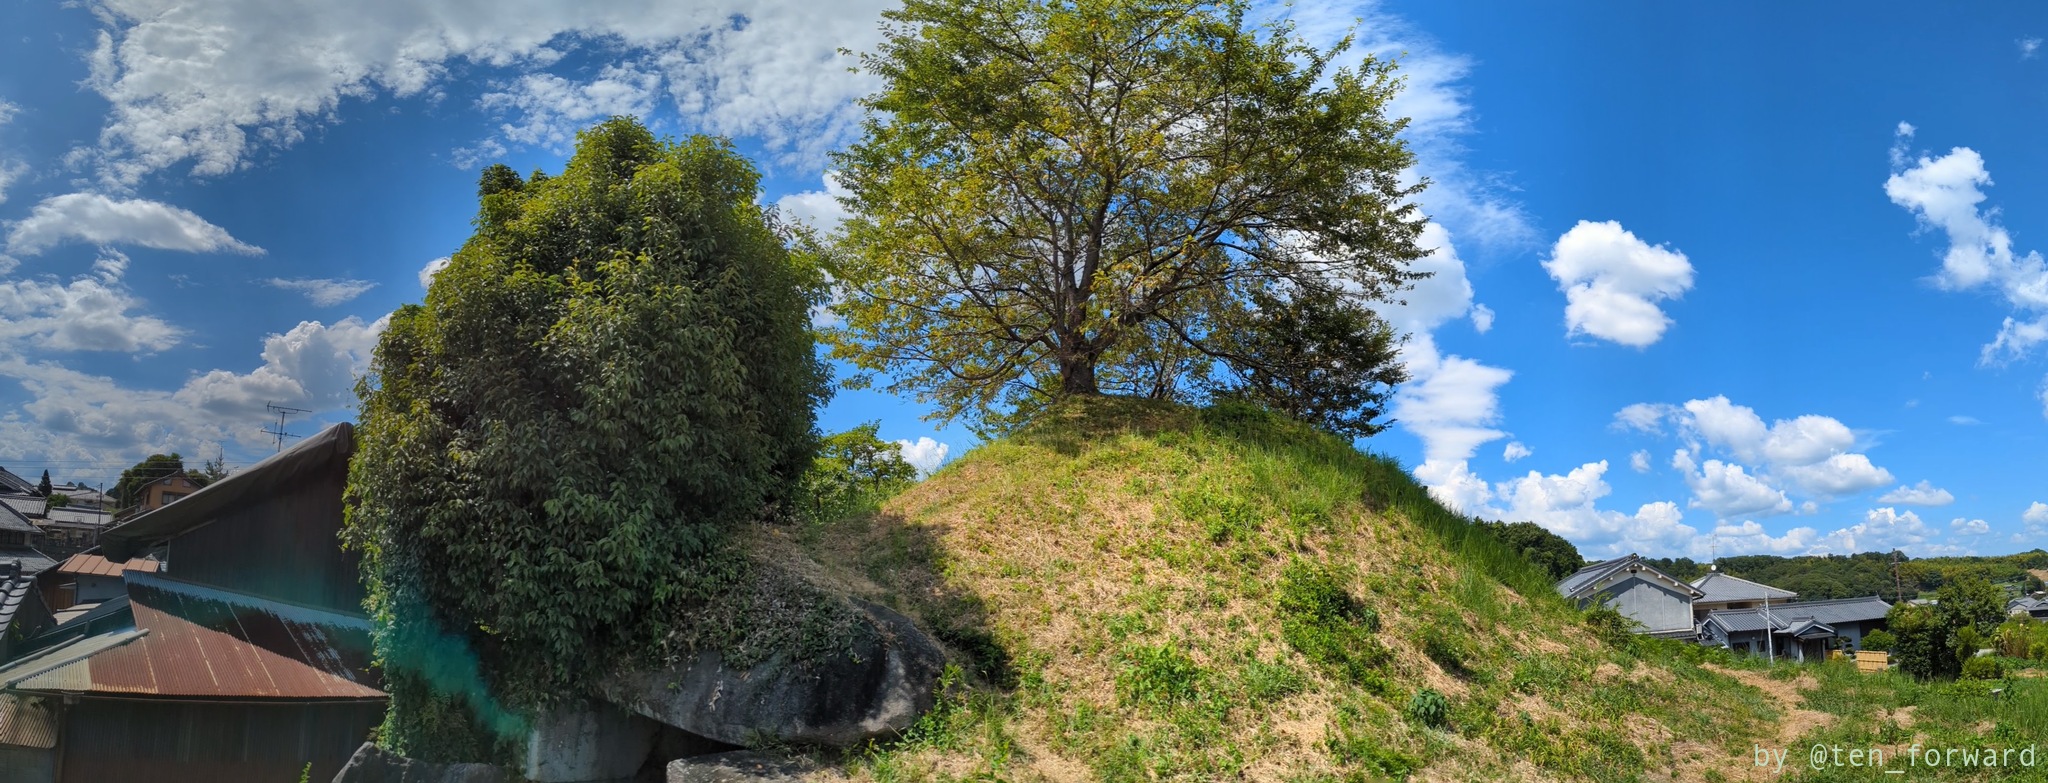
[(1587, 579), (91, 564), (1720, 587), (1786, 616), (15, 484), (11, 519), (197, 642), (32, 562)]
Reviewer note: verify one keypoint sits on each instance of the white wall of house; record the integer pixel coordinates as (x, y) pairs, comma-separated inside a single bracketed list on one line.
[(1660, 608)]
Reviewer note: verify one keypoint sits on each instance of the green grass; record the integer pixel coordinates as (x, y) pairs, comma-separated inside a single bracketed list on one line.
[(1892, 712), (1220, 594)]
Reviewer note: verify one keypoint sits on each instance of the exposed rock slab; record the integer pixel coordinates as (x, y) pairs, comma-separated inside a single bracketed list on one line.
[(740, 766), (874, 690)]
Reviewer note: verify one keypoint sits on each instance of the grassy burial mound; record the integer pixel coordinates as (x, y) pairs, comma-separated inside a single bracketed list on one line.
[(1141, 591)]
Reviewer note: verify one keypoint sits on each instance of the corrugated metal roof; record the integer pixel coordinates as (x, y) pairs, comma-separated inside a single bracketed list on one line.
[(53, 663), (201, 642), (309, 457), (27, 722), (91, 564), (1835, 612), (1720, 587)]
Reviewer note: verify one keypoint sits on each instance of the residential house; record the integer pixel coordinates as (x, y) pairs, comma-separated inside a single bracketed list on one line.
[(22, 611), (11, 484), (1659, 601), (2036, 608), (68, 531), (17, 537), (1722, 591), (246, 657), (80, 496), (1799, 631), (165, 491)]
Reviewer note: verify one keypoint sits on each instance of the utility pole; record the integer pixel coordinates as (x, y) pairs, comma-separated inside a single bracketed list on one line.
[(1898, 586), (281, 413)]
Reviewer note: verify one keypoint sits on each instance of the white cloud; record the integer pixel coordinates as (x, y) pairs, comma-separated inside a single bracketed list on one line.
[(1921, 494), (432, 268), (90, 313), (1969, 527), (313, 365), (1882, 530), (1451, 403), (1644, 416), (2044, 396), (7, 112), (1841, 474), (94, 218), (1728, 490), (1444, 296), (1964, 421), (1946, 193), (2029, 47), (1737, 428), (210, 84), (925, 454), (1515, 451), (819, 209), (2036, 517), (10, 173), (1482, 318), (323, 292), (1564, 504), (1612, 282), (1639, 461)]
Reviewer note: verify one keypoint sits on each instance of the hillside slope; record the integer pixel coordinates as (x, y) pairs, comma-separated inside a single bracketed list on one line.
[(1147, 592)]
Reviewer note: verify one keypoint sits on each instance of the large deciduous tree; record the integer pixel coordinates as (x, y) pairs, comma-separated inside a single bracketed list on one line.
[(1084, 196), (611, 374)]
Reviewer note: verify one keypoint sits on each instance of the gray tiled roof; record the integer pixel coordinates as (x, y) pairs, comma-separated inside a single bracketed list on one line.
[(15, 484), (13, 521), (1583, 579), (1720, 587), (1835, 612)]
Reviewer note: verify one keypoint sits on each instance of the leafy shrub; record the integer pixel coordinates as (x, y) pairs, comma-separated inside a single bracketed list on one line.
[(1429, 708), (1613, 627), (1160, 674), (1880, 639), (1983, 668), (1329, 627)]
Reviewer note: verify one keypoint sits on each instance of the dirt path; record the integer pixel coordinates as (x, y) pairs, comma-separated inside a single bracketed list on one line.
[(1795, 722)]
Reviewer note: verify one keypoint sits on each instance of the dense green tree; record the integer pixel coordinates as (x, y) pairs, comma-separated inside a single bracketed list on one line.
[(611, 374), (1921, 642), (854, 465), (59, 500), (43, 487), (1549, 551), (1075, 198), (1317, 356), (1970, 602)]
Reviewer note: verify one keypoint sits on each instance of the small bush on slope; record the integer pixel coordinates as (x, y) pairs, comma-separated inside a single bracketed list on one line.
[(1082, 553)]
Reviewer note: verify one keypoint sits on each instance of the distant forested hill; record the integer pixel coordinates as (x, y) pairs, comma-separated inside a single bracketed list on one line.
[(1818, 577)]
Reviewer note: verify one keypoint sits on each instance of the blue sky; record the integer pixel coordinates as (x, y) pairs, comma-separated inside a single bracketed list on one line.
[(1752, 278)]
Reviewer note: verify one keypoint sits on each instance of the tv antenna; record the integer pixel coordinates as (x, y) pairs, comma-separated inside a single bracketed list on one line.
[(282, 412)]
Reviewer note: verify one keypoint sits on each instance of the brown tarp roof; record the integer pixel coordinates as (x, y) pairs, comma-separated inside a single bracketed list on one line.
[(309, 457)]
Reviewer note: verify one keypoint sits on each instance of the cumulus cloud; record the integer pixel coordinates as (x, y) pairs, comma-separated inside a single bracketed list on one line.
[(91, 313), (924, 454), (1969, 527), (1841, 474), (1739, 430), (209, 85), (1566, 504), (1921, 494), (10, 173), (1515, 451), (1451, 403), (1946, 193), (324, 292), (1728, 490), (432, 268), (1482, 318), (819, 209), (1643, 417), (2036, 518), (313, 366), (97, 219), (1639, 461), (1612, 283)]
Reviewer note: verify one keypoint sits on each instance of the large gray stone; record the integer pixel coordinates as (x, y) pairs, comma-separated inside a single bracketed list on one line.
[(740, 766), (872, 691), (587, 741), (372, 764)]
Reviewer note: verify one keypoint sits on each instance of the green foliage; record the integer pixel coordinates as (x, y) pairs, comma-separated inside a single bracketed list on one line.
[(59, 500), (1820, 577), (1923, 647), (610, 375), (1264, 682), (1316, 356), (1613, 627), (1429, 708), (854, 468), (1880, 639), (1549, 551), (306, 772), (43, 486), (1970, 602), (1325, 624), (1059, 199), (2022, 637), (1157, 674), (1983, 667)]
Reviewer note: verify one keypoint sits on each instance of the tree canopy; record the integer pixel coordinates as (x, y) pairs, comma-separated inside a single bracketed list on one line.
[(128, 490), (613, 372), (1549, 551), (1113, 196)]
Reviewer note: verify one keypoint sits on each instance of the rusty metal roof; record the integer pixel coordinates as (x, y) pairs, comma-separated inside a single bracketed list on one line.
[(27, 722), (91, 564), (192, 641)]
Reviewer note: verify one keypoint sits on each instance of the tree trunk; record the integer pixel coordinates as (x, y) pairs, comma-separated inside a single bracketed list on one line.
[(1077, 376)]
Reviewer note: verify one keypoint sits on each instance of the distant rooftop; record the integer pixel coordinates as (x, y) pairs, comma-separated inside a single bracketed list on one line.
[(1722, 588), (1792, 615)]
